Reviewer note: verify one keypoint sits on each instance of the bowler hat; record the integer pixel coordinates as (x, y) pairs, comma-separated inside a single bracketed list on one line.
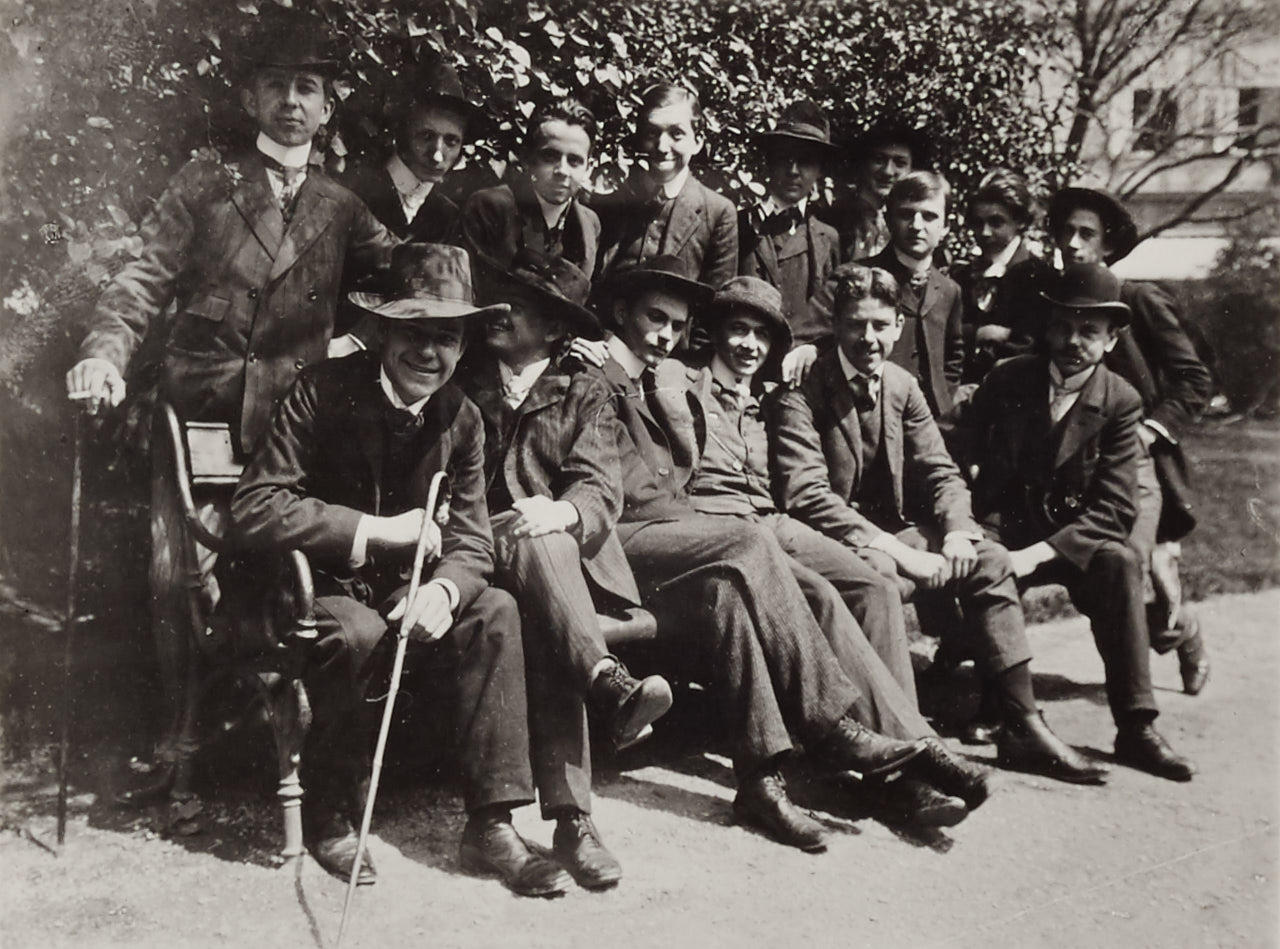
[(665, 272), (1117, 223), (802, 122), (896, 132), (761, 298), (554, 283), (426, 282), (1088, 288), (287, 39), (434, 83)]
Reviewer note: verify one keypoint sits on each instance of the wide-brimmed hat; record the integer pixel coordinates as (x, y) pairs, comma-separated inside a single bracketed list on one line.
[(1088, 288), (554, 283), (760, 297), (426, 282), (287, 39), (896, 132), (430, 83), (804, 123), (665, 272), (1120, 230)]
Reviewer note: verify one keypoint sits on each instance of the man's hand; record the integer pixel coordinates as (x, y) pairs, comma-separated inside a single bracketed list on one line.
[(396, 533), (592, 352), (961, 555), (1029, 559), (797, 363), (97, 382), (931, 571), (540, 515), (430, 618), (989, 334)]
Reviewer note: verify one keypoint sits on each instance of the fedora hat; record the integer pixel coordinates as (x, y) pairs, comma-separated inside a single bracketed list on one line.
[(1117, 223), (431, 83), (1088, 288), (553, 283), (802, 122), (896, 132), (287, 39), (426, 282), (761, 298), (665, 272)]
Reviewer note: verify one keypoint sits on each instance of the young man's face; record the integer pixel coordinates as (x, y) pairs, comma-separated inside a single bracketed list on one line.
[(524, 335), (993, 227), (667, 139), (432, 142), (792, 171), (558, 164), (1082, 238), (917, 227), (882, 166), (652, 322), (288, 105), (742, 340), (420, 356), (866, 331), (1078, 339)]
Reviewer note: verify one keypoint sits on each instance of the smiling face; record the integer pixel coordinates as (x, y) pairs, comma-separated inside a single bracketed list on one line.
[(288, 105), (667, 139), (917, 227), (742, 340), (559, 162), (792, 172), (882, 166), (524, 335), (432, 141), (866, 330), (652, 322), (1078, 339), (1082, 238), (419, 356), (993, 227)]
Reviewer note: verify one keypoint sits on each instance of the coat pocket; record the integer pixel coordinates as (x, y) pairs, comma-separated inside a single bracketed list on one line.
[(209, 307)]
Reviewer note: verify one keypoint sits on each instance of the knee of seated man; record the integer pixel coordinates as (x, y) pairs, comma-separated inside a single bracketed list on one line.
[(1117, 556), (556, 545)]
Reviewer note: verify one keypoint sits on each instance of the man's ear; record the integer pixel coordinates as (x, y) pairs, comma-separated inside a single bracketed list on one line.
[(248, 100), (1114, 338), (330, 103)]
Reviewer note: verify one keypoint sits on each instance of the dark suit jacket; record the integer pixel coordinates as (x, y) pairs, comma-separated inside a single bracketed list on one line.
[(255, 299), (320, 468), (941, 316), (1024, 267), (818, 459), (497, 222), (702, 231), (857, 221), (1072, 485), (435, 223), (798, 265), (561, 443)]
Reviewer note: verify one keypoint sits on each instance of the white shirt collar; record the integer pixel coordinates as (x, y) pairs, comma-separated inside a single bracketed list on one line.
[(915, 266), (291, 156), (631, 364), (405, 181), (516, 385), (394, 398), (850, 372), (676, 184), (1072, 383), (1000, 262), (770, 205), (552, 214), (728, 378)]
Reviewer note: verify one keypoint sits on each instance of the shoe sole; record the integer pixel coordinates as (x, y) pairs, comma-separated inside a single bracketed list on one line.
[(1048, 772), (595, 883), (1182, 777), (909, 755), (745, 818), (472, 862), (651, 701), (946, 814)]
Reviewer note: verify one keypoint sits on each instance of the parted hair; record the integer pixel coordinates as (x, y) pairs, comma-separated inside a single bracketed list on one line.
[(567, 110), (855, 282), (919, 186), (1008, 188), (662, 94)]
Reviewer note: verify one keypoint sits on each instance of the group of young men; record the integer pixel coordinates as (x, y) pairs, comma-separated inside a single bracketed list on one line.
[(769, 427)]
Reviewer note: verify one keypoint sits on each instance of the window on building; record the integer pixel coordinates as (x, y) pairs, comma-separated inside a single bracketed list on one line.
[(1155, 118), (1247, 115)]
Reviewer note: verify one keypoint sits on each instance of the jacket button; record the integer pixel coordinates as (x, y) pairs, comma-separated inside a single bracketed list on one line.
[(312, 295), (298, 364), (253, 357), (664, 471), (253, 294)]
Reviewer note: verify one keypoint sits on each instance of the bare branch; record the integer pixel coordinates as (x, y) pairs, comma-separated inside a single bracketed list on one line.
[(1196, 202)]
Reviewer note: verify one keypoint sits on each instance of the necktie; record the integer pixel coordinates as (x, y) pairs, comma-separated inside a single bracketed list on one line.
[(864, 395), (291, 182), (782, 222), (401, 423)]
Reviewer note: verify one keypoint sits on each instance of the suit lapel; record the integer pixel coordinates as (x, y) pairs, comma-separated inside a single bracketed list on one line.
[(369, 427), (1084, 419), (794, 244), (314, 212), (845, 413), (762, 250), (893, 397), (257, 204), (549, 389), (686, 216)]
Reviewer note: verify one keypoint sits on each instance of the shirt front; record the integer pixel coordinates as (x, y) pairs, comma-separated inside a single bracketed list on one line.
[(1064, 392), (292, 157), (553, 215), (516, 385), (631, 364), (733, 471), (410, 189), (856, 377)]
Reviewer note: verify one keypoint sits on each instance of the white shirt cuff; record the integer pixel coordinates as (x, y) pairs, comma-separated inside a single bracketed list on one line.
[(360, 544), (345, 345), (450, 590), (1159, 430)]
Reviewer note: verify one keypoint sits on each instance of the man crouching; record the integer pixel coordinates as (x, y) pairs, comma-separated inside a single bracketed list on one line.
[(343, 476)]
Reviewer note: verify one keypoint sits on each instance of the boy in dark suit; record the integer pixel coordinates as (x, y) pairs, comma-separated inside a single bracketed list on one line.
[(932, 344), (343, 476), (1056, 443), (781, 242), (541, 211), (554, 489), (857, 456), (662, 209)]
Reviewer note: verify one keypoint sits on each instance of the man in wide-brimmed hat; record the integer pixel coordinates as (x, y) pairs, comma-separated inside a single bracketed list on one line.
[(433, 120), (554, 490), (1055, 439), (343, 476), (779, 239)]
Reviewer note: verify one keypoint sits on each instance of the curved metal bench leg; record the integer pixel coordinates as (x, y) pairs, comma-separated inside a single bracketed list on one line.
[(290, 712)]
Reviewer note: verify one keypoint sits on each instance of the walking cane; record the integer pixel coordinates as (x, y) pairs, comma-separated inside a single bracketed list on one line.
[(402, 640), (69, 626)]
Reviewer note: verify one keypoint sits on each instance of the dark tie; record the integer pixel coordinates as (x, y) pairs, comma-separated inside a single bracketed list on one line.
[(864, 399), (782, 222), (401, 423), (292, 179)]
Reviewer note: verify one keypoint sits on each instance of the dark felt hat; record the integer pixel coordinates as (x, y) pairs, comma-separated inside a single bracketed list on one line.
[(661, 273), (554, 283), (426, 282), (435, 83), (761, 298), (1088, 288), (1121, 231), (895, 132), (287, 39), (802, 122)]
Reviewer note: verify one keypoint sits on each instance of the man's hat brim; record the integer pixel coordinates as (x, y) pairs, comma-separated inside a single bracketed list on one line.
[(422, 308), (1121, 230), (726, 302), (1118, 312), (580, 320), (764, 139), (639, 278)]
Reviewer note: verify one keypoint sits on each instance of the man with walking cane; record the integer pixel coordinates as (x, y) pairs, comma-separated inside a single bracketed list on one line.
[(343, 475)]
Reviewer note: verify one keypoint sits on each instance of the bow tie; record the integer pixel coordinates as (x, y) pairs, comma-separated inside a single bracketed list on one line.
[(866, 390), (401, 423), (782, 222)]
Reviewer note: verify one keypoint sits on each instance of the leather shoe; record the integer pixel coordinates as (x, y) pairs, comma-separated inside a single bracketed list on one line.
[(1193, 661), (632, 705), (1142, 747), (978, 732), (1027, 744), (914, 802), (951, 774), (491, 847), (851, 747), (577, 845), (334, 846), (762, 802)]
